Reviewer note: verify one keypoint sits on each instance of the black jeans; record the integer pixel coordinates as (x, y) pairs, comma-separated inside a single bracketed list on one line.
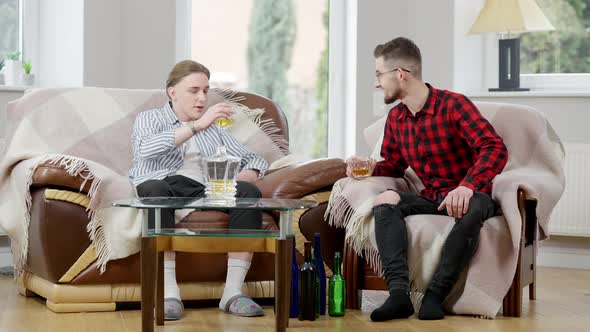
[(392, 239), (182, 186)]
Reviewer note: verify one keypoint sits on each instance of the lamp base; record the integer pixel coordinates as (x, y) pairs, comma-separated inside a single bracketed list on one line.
[(508, 89), (509, 66)]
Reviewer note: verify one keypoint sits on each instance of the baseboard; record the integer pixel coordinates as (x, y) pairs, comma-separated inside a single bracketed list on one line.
[(5, 256), (559, 251), (565, 252)]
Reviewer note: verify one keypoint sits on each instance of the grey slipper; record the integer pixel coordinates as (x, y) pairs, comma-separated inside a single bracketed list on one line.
[(242, 305), (173, 308)]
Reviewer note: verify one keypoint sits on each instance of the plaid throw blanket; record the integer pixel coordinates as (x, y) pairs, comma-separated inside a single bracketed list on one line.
[(535, 165), (88, 132)]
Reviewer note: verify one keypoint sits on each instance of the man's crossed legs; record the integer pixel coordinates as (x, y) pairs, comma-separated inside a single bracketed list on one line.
[(390, 209)]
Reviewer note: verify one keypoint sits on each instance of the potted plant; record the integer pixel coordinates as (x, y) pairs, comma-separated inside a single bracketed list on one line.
[(1, 72), (28, 79), (13, 69)]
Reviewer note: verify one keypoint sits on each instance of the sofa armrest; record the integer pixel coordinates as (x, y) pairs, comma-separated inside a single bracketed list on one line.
[(301, 179), (57, 235), (51, 175)]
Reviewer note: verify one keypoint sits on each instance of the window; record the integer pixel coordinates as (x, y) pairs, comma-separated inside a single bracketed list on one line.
[(560, 59), (10, 27), (278, 49), (564, 50)]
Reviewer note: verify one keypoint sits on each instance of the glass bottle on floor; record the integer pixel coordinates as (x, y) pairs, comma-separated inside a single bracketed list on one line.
[(319, 265), (337, 291), (307, 287)]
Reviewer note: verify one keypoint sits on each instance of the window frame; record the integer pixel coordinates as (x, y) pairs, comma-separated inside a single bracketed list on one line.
[(28, 43), (183, 29), (556, 81), (20, 26), (547, 82), (342, 78), (30, 33)]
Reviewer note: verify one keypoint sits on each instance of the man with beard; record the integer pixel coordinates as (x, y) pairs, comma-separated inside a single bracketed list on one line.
[(455, 152)]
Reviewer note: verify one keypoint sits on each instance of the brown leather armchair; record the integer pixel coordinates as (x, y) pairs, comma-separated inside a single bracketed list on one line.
[(61, 267)]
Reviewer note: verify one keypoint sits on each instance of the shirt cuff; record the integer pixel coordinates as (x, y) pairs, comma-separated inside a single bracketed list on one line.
[(467, 184), (260, 173), (257, 167)]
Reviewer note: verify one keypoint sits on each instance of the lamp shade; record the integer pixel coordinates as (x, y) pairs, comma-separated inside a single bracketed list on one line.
[(510, 16)]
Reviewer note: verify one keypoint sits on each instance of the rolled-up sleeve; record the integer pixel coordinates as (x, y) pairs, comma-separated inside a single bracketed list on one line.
[(148, 139)]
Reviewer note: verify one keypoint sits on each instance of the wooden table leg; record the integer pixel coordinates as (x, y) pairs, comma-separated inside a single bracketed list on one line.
[(160, 290), (148, 282), (282, 283)]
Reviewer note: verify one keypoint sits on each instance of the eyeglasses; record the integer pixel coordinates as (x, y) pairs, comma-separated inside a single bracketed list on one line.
[(379, 74)]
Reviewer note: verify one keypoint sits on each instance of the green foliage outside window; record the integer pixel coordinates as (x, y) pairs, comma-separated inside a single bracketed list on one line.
[(320, 146), (564, 50), (270, 48), (9, 34)]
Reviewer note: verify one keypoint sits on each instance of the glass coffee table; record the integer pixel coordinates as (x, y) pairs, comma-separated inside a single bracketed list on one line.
[(155, 241)]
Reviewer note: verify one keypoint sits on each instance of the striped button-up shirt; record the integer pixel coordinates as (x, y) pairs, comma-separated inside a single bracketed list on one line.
[(156, 156)]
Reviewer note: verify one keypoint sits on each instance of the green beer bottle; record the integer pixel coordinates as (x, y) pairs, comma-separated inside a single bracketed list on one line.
[(337, 296)]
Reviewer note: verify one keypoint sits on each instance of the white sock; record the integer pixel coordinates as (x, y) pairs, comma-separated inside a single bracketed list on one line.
[(236, 273), (170, 286)]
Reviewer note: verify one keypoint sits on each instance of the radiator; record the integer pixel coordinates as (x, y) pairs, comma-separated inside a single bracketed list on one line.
[(572, 214)]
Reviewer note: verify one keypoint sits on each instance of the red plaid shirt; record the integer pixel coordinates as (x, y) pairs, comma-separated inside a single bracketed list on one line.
[(448, 144)]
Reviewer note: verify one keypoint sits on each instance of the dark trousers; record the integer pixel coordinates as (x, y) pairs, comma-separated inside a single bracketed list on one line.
[(182, 186), (459, 248)]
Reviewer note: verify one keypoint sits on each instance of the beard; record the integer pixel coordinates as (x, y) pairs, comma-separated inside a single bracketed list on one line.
[(391, 97)]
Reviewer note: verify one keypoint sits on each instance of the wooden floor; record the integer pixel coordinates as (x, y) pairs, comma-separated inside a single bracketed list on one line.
[(563, 305)]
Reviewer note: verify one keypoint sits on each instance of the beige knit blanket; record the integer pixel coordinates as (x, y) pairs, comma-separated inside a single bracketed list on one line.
[(88, 132), (535, 164)]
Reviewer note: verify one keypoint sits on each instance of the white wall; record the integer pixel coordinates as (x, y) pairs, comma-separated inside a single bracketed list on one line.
[(102, 43), (430, 24), (5, 255), (6, 96), (148, 42), (107, 43), (566, 252), (378, 21), (567, 114), (61, 43), (469, 57)]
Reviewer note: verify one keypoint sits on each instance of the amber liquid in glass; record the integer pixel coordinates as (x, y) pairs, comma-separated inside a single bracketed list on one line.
[(361, 172), (224, 122), (222, 187)]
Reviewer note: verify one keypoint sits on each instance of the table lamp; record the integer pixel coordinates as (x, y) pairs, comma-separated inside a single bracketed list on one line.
[(510, 16)]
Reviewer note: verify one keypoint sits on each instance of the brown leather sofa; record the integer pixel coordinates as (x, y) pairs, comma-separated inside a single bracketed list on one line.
[(61, 264)]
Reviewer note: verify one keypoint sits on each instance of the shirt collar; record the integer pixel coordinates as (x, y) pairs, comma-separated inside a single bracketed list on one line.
[(428, 105), (169, 113)]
